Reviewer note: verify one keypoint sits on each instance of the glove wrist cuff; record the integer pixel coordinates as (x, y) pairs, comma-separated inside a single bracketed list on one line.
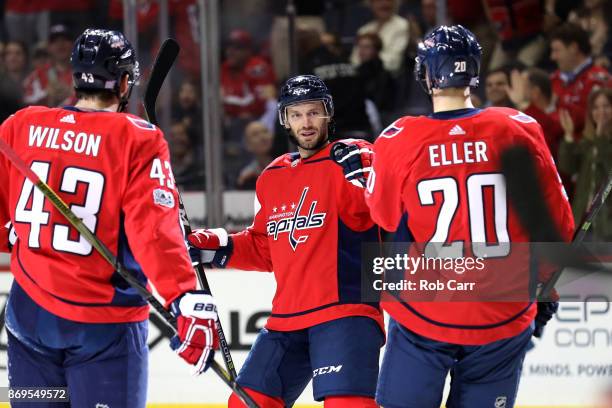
[(222, 234)]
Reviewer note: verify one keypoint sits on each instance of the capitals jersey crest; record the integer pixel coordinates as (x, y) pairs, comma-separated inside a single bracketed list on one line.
[(290, 220)]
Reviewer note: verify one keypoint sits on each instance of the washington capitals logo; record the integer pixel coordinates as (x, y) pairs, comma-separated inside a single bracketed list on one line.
[(291, 221)]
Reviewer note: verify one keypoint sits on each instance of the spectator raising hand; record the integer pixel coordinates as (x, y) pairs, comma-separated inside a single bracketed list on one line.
[(589, 159), (567, 123), (518, 88)]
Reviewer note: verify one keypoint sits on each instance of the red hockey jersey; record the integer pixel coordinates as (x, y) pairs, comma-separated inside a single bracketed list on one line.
[(572, 91), (308, 228), (113, 170), (242, 90), (443, 172)]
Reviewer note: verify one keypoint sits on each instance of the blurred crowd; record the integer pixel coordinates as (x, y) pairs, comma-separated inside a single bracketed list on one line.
[(548, 58)]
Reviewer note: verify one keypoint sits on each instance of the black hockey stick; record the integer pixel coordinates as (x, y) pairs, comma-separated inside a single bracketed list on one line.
[(596, 205), (164, 61), (525, 194), (108, 256), (166, 56)]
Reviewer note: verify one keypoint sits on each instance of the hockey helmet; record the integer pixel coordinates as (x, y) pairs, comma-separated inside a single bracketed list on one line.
[(100, 58), (449, 57), (303, 88)]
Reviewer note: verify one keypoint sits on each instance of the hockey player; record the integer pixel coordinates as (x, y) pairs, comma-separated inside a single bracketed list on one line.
[(71, 320), (440, 177), (308, 228)]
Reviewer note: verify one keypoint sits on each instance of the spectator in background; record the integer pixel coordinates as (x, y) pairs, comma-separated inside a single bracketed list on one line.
[(472, 15), (188, 110), (589, 159), (40, 57), (428, 16), (496, 89), (377, 81), (519, 26), (247, 82), (15, 69), (26, 21), (343, 81), (531, 92), (332, 43), (147, 21), (187, 169), (79, 15), (186, 31), (594, 19), (392, 29), (51, 85), (576, 75), (258, 141)]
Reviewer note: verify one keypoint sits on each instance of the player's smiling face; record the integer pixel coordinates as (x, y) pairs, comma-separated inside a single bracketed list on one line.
[(308, 124)]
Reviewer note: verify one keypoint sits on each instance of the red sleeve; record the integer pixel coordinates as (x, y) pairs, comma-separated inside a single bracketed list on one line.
[(152, 226), (251, 249), (384, 191), (5, 215)]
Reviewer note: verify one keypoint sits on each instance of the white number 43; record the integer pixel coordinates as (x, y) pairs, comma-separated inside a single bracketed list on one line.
[(157, 172), (87, 77)]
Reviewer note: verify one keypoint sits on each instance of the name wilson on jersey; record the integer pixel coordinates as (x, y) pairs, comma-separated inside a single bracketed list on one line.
[(292, 221), (79, 142)]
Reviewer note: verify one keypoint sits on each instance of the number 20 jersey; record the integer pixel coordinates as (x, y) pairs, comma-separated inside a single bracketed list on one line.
[(440, 176), (113, 171)]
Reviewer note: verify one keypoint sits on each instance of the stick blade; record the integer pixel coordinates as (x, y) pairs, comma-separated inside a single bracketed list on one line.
[(168, 52)]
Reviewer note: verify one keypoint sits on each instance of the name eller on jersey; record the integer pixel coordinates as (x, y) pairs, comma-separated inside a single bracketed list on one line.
[(79, 142), (457, 153)]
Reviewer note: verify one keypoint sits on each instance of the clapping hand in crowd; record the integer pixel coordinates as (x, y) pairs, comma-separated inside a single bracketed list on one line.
[(567, 123)]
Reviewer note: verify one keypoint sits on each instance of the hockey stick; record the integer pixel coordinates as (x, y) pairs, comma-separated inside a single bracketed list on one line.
[(164, 61), (166, 56), (525, 194), (594, 207), (108, 256)]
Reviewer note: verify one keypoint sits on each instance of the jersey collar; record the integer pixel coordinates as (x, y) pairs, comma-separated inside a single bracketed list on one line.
[(567, 77), (455, 114)]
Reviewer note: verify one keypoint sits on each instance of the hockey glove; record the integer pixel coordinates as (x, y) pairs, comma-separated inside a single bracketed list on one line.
[(546, 310), (214, 246), (196, 339), (355, 157)]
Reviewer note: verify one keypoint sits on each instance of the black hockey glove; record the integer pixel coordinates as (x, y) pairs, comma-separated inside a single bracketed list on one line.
[(546, 310), (355, 157)]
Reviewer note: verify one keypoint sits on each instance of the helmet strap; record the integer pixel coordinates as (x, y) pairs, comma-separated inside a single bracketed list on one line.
[(124, 100)]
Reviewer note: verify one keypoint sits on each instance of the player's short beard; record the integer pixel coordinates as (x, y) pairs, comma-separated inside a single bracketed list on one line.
[(322, 141)]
